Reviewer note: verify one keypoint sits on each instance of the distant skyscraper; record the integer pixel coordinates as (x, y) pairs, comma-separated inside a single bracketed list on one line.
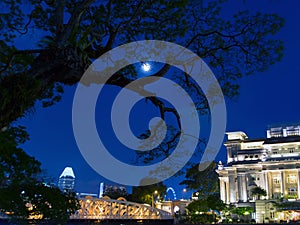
[(67, 180), (111, 190), (101, 190)]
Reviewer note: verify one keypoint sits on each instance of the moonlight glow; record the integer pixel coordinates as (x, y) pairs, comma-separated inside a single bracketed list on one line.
[(146, 67)]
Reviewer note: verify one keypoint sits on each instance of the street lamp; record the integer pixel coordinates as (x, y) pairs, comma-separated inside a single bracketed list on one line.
[(155, 192), (183, 193)]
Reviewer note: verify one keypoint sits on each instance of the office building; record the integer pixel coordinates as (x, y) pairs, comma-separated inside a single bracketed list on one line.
[(66, 180)]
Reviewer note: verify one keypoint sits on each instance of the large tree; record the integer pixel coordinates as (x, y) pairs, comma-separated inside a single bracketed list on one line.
[(23, 190), (205, 182), (73, 33), (70, 34), (148, 194), (208, 205)]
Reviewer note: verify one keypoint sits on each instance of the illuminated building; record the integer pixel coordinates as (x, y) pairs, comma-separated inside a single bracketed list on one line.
[(111, 190), (66, 180), (271, 163)]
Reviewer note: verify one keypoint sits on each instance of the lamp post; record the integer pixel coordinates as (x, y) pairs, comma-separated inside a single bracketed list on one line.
[(263, 214), (155, 192)]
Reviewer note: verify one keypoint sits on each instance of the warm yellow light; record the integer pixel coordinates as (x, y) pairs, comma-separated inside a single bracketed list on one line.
[(246, 213)]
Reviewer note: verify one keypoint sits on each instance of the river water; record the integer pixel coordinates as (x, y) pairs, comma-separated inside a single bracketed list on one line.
[(104, 222)]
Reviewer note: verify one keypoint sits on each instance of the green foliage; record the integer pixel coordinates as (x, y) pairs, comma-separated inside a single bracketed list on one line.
[(215, 203), (203, 210), (231, 213), (38, 201), (77, 32), (204, 218), (15, 165), (198, 206), (22, 190), (144, 194), (258, 191), (241, 211), (26, 91), (211, 202), (206, 182)]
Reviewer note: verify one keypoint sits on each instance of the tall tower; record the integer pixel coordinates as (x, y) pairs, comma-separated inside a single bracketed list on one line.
[(101, 190), (67, 180)]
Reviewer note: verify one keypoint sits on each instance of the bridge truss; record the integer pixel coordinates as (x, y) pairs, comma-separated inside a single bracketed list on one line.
[(104, 208)]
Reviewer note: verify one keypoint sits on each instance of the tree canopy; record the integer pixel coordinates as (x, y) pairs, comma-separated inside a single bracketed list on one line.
[(210, 202), (23, 190), (258, 191), (203, 210), (148, 194), (70, 34), (205, 182)]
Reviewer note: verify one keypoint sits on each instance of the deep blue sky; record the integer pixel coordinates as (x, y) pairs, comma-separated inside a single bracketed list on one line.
[(265, 99)]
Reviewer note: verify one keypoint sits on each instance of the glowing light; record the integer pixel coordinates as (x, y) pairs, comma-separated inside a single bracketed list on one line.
[(146, 67), (68, 172)]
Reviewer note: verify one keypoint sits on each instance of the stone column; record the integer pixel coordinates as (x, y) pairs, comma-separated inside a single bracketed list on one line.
[(227, 192), (222, 190), (282, 184), (232, 188), (242, 187), (266, 184), (298, 184), (245, 194)]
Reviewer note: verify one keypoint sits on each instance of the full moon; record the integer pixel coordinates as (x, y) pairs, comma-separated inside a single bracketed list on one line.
[(146, 67)]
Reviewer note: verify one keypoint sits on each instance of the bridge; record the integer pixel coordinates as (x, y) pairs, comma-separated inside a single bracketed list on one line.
[(110, 209)]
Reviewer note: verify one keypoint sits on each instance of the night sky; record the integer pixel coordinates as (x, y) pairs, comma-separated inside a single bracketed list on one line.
[(265, 99)]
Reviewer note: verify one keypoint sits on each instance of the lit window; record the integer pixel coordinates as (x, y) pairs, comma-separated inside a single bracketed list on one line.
[(292, 191), (291, 179), (291, 150), (272, 215), (276, 180)]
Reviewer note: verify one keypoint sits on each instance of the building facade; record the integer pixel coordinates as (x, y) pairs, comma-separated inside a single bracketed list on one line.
[(66, 180), (112, 190), (271, 163)]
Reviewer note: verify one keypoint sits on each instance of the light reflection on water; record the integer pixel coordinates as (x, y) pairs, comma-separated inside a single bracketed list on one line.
[(112, 222)]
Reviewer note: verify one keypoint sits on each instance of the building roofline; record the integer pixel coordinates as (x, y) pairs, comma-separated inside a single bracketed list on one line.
[(68, 172)]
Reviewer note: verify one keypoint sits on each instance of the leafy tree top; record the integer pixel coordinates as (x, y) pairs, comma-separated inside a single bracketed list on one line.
[(147, 194), (259, 191), (206, 182), (22, 189), (74, 33)]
